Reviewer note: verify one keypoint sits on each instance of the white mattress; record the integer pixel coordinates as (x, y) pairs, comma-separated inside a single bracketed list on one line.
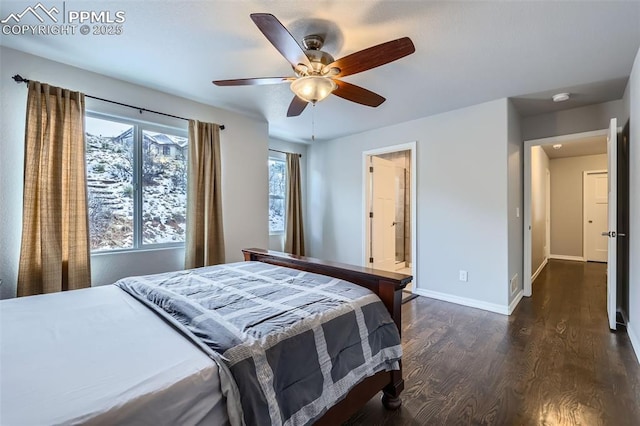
[(98, 356)]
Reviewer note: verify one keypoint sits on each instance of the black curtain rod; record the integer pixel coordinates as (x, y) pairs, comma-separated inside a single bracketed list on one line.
[(284, 152), (19, 79)]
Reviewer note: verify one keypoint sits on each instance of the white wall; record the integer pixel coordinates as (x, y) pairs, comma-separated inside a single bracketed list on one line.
[(276, 241), (244, 145), (634, 206), (576, 120), (539, 167), (626, 104), (461, 201), (515, 214)]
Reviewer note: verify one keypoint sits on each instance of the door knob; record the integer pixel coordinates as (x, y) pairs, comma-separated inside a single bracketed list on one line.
[(606, 234)]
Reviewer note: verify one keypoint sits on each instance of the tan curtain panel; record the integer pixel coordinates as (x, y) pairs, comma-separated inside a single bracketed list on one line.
[(54, 254), (205, 239), (294, 235)]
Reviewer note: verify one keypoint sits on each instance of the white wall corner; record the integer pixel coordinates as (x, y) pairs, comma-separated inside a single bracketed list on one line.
[(465, 301), (515, 301), (540, 268), (635, 340)]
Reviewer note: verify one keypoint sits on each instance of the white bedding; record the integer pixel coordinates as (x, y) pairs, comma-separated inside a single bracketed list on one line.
[(98, 356)]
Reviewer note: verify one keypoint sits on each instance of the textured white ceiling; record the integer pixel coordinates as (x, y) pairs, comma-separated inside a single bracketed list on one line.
[(466, 53), (592, 145)]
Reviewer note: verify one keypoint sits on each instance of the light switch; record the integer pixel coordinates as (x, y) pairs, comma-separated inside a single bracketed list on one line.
[(463, 276)]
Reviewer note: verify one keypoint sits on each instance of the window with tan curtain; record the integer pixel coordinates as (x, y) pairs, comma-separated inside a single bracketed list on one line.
[(294, 230), (54, 254), (204, 243)]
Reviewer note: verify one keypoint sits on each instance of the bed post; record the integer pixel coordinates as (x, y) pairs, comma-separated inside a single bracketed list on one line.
[(391, 296)]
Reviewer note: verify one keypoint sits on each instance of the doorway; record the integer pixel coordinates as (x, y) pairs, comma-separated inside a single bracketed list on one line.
[(389, 210), (534, 216), (611, 158)]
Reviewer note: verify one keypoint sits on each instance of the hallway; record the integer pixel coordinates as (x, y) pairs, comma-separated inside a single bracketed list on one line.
[(553, 362)]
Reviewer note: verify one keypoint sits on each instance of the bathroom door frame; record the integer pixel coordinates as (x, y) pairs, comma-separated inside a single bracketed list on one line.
[(411, 147)]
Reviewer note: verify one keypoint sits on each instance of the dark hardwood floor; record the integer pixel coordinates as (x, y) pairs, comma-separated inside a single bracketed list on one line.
[(553, 362)]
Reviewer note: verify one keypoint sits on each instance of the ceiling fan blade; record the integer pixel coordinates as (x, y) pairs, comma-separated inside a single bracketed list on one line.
[(252, 81), (296, 107), (373, 57), (281, 38), (357, 94)]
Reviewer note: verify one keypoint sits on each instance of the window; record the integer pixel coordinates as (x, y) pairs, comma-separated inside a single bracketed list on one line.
[(166, 150), (137, 196), (277, 185)]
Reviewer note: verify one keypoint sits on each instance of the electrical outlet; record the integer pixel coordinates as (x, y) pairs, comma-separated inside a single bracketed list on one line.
[(463, 276)]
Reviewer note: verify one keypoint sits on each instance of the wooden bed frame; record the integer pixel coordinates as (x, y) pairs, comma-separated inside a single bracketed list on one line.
[(388, 286)]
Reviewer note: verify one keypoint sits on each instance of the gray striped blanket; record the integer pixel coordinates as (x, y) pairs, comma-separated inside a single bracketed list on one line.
[(290, 344)]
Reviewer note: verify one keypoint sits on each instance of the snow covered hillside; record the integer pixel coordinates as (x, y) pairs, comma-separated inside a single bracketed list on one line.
[(110, 181)]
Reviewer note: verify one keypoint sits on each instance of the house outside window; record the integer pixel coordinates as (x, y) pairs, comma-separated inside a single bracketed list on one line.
[(137, 196), (166, 150), (277, 194)]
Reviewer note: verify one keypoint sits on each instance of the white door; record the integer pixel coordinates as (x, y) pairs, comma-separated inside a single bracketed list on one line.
[(547, 217), (383, 207), (612, 154), (596, 200)]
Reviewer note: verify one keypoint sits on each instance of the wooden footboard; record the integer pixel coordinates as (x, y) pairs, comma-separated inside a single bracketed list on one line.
[(388, 286)]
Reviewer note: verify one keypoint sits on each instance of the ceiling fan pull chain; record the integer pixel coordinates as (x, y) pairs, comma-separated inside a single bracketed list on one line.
[(313, 122)]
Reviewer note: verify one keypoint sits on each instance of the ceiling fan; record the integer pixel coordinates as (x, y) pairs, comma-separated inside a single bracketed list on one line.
[(316, 71)]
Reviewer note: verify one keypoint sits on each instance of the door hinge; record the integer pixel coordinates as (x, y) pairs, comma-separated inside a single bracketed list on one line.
[(371, 169), (370, 214), (371, 260)]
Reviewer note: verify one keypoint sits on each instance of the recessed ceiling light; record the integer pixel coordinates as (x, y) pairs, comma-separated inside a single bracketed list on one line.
[(557, 146), (560, 97)]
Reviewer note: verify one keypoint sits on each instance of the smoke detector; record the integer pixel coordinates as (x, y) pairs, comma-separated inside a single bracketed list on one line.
[(560, 97)]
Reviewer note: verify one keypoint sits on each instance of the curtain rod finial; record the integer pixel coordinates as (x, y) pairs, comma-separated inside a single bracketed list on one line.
[(19, 79)]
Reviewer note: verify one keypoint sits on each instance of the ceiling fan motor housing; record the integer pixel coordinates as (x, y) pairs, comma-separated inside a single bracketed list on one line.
[(318, 58)]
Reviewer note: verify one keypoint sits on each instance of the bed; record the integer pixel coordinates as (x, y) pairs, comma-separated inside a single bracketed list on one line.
[(102, 356)]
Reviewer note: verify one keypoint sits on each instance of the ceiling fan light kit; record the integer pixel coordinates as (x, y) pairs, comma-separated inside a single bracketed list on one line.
[(313, 88), (316, 71), (314, 84)]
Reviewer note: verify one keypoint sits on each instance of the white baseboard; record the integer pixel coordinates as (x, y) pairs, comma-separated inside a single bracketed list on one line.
[(464, 301), (563, 257), (540, 268), (515, 301), (635, 340)]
